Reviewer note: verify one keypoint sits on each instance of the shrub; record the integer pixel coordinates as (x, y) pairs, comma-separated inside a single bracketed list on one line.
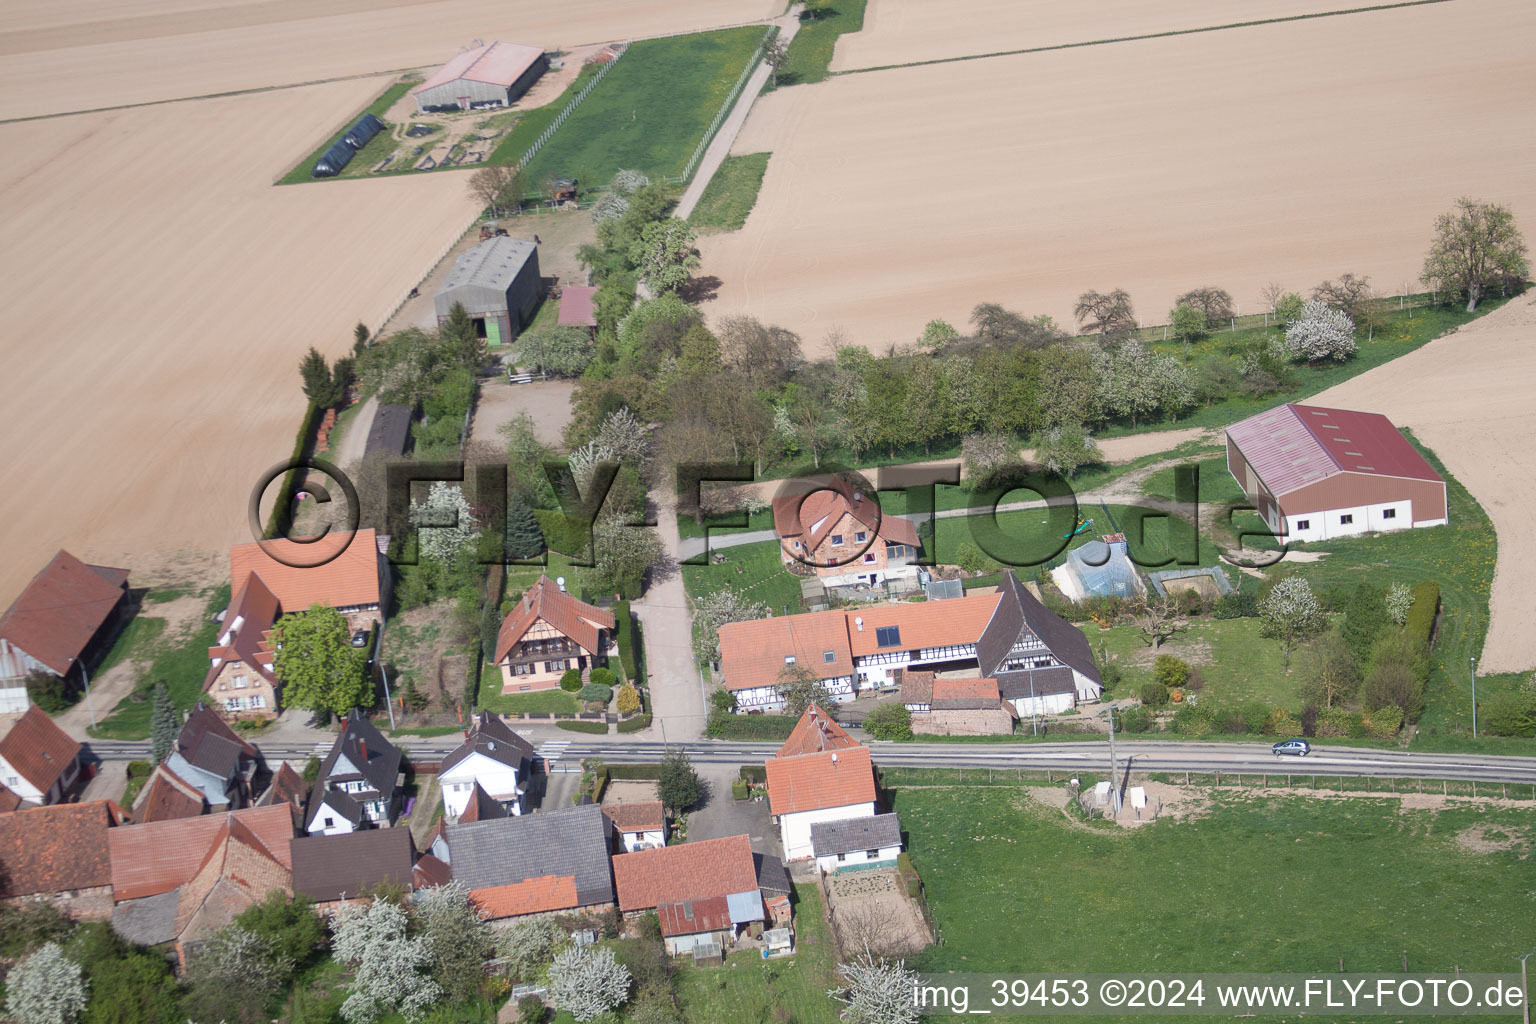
[(1196, 681), (571, 681), (1194, 719), (594, 692), (530, 1010), (754, 773), (629, 699), (1335, 723), (1136, 720), (739, 789), (1111, 675), (1509, 713), (1170, 671), (1421, 616), (635, 724), (1154, 694), (889, 721), (1384, 723), (1282, 723), (1241, 605), (578, 725), (603, 676)]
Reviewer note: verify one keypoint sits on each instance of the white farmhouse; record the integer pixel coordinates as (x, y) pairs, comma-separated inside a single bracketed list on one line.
[(493, 756), (820, 774), (359, 782)]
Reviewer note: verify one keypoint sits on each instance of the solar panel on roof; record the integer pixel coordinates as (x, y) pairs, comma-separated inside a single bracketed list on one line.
[(888, 636)]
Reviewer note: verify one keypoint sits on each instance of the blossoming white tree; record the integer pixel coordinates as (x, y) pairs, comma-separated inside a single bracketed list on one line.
[(876, 991), (45, 988), (388, 966), (445, 521), (588, 982), (1292, 614), (1321, 332)]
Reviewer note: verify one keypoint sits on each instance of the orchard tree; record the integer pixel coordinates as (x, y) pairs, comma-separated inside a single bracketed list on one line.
[(486, 187), (1335, 672), (45, 988), (1174, 385), (1288, 308), (1292, 614), (1105, 314), (774, 55), (1349, 293), (1476, 247), (1189, 322), (764, 355), (1215, 303), (1399, 601), (1066, 448), (389, 968), (716, 609), (985, 453), (666, 254), (889, 720), (164, 724), (319, 668), (1321, 332), (527, 944), (938, 333), (621, 555), (233, 976), (459, 939), (875, 991), (588, 982), (624, 437)]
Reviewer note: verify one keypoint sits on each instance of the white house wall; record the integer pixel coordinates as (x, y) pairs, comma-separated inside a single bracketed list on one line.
[(795, 828), (495, 778), (1328, 525), (1047, 704), (857, 859), (18, 784)]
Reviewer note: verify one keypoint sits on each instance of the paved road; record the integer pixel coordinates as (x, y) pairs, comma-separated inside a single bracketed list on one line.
[(1141, 755), (677, 694), (720, 146)]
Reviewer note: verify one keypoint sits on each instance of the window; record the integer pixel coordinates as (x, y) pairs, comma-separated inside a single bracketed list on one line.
[(789, 659), (837, 538), (797, 545), (871, 854), (12, 780), (241, 682), (1389, 513), (1303, 524), (524, 688), (888, 636), (329, 821), (842, 857), (859, 537), (258, 702), (1346, 519), (828, 656), (869, 557)]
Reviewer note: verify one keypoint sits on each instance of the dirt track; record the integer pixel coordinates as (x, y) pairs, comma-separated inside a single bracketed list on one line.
[(1288, 152), (86, 54)]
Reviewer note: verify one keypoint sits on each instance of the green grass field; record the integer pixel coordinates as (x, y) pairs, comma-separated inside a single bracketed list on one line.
[(752, 570), (382, 143), (542, 702), (181, 662), (810, 53), (650, 111), (1257, 884), (1237, 664), (731, 194)]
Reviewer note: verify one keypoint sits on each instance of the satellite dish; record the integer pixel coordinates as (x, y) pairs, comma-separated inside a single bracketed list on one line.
[(560, 582)]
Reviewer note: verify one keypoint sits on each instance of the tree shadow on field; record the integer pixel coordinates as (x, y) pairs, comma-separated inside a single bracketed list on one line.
[(700, 289)]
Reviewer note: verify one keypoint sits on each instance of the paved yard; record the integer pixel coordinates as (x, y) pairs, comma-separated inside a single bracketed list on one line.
[(720, 816)]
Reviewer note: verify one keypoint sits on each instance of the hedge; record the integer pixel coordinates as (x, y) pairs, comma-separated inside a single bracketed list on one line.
[(568, 536), (603, 677), (278, 522), (1421, 615), (577, 725), (490, 614), (739, 790), (754, 773), (629, 642), (643, 772), (472, 676), (635, 724), (725, 725), (570, 682)]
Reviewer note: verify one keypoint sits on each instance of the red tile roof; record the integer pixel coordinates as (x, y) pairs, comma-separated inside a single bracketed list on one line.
[(752, 653), (641, 816), (493, 63), (9, 801), (965, 689), (61, 609), (159, 857), (429, 871), (916, 687), (811, 782), (691, 916), (689, 871), (813, 519), (349, 578), (57, 849), (814, 733), (574, 619), (254, 609), (38, 749), (531, 896), (1292, 446), (576, 307), (167, 796)]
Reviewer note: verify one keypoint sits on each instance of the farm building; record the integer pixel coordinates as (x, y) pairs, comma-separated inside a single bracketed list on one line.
[(491, 75), (498, 284), (577, 308), (1315, 474), (390, 431), (62, 624), (1100, 568)]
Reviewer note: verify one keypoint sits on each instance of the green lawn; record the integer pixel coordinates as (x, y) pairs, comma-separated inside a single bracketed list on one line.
[(531, 123), (810, 53), (304, 170), (731, 194), (1237, 664), (1257, 884), (752, 570), (651, 110), (741, 989), (181, 662), (542, 702)]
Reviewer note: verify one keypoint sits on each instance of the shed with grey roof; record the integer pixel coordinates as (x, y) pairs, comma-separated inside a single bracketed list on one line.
[(570, 841), (390, 431), (829, 838), (498, 284)]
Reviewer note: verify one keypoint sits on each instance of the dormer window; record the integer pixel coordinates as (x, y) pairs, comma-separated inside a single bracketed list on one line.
[(789, 659), (828, 656)]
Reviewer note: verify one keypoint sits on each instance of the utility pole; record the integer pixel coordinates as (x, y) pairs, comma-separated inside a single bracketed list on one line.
[(1034, 709), (86, 678), (1473, 661), (1114, 791), (1525, 985)]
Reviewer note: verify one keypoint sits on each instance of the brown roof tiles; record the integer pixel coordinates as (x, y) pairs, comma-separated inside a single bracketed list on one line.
[(62, 608), (641, 816), (38, 749), (814, 733), (159, 857), (574, 619), (350, 578), (167, 796), (690, 871), (811, 782), (57, 849)]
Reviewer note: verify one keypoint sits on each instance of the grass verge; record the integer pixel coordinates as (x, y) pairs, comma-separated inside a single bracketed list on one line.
[(731, 194), (305, 169)]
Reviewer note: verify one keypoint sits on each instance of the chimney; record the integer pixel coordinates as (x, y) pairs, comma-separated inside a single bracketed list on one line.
[(362, 745)]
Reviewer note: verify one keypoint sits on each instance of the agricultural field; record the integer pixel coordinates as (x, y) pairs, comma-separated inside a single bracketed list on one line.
[(70, 57), (169, 406), (1254, 883), (903, 195), (909, 31)]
